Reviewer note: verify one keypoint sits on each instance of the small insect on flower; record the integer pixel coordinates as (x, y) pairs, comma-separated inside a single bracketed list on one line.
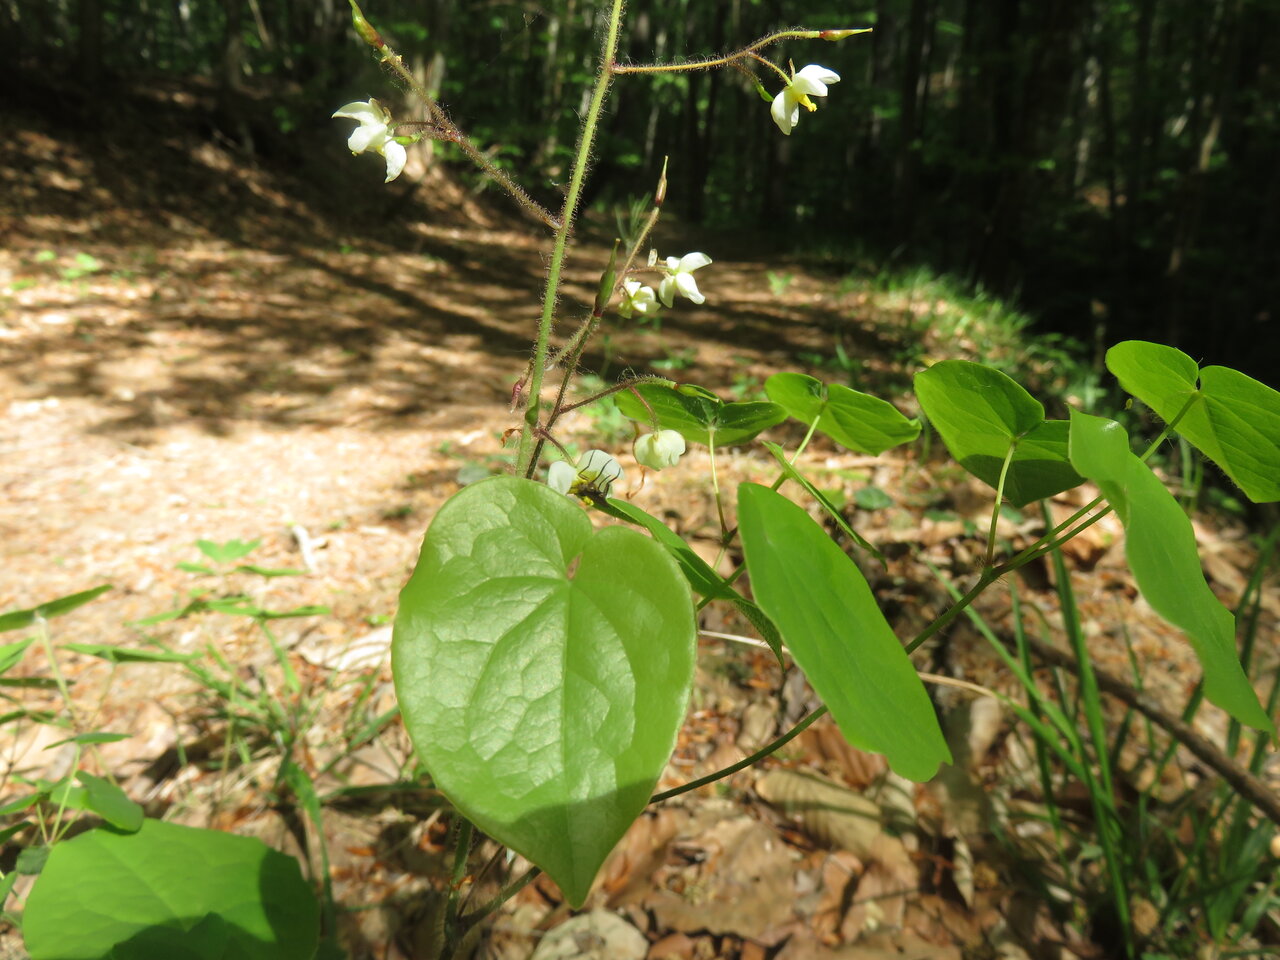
[(591, 481)]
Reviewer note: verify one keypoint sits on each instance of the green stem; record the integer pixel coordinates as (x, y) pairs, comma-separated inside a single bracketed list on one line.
[(715, 488), (989, 576), (505, 894), (995, 510), (756, 757), (525, 462), (462, 833)]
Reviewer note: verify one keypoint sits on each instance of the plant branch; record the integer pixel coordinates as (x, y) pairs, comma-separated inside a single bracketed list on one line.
[(709, 63), (756, 757), (439, 119)]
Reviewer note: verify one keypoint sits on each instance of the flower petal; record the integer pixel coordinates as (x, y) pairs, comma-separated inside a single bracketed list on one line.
[(600, 470), (396, 156), (560, 476), (360, 110), (813, 80), (364, 135), (667, 292), (692, 261), (688, 287), (785, 112)]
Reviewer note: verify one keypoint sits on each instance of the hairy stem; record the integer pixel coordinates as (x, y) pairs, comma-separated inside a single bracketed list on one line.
[(729, 59), (525, 460)]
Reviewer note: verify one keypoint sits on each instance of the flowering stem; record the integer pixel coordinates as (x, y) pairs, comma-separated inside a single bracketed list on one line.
[(526, 459), (440, 120), (729, 59)]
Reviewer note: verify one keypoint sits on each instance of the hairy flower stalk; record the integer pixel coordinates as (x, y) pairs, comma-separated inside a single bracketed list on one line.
[(526, 453)]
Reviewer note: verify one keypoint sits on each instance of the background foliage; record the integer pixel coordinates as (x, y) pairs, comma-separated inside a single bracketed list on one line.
[(1109, 162)]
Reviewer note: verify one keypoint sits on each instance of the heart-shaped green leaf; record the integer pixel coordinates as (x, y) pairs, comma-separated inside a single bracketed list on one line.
[(837, 634), (150, 894), (543, 671), (701, 577), (981, 413), (1161, 548), (1233, 419), (854, 420), (698, 415)]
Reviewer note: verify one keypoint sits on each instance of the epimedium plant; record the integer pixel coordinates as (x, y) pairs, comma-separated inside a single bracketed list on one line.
[(543, 665), (544, 662)]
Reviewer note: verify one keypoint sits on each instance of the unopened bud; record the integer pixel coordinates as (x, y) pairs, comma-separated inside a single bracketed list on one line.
[(363, 27), (660, 194), (604, 293), (840, 34), (765, 95)]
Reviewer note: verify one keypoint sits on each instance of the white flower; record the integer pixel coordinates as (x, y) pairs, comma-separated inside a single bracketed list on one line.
[(658, 450), (599, 471), (811, 81), (595, 474), (560, 476), (374, 134), (637, 298), (679, 278)]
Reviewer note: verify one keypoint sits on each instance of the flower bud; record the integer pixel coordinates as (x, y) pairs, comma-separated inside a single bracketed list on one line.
[(607, 279), (659, 450), (365, 28), (660, 194), (841, 34)]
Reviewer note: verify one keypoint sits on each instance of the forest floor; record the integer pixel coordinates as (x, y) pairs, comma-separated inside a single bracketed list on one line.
[(197, 344)]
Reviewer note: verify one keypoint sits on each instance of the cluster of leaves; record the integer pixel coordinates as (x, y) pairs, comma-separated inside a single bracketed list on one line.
[(543, 669)]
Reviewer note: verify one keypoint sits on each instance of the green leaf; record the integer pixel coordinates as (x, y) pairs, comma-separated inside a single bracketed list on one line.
[(872, 498), (824, 501), (114, 654), (197, 568), (227, 552), (980, 412), (705, 581), (699, 416), (31, 860), (270, 571), (11, 653), (110, 802), (6, 886), (18, 619), (1232, 419), (22, 803), (150, 894), (1162, 377), (852, 419), (836, 633), (701, 577), (95, 737), (543, 671), (1161, 548)]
